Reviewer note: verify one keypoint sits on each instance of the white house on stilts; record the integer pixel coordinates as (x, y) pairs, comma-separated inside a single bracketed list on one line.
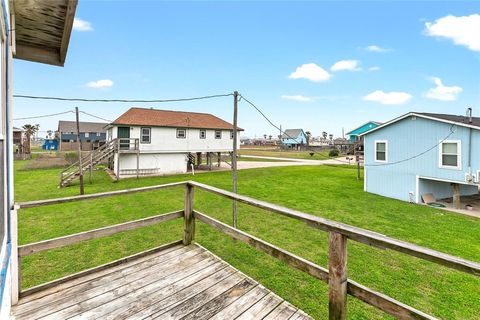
[(161, 142)]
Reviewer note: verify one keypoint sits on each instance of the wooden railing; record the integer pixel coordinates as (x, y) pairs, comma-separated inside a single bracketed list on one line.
[(335, 276)]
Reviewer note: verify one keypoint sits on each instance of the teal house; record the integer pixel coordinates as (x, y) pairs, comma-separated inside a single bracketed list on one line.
[(422, 154), (294, 138), (354, 135)]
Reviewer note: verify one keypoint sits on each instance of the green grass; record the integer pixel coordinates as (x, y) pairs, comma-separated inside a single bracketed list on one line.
[(326, 191), (320, 155)]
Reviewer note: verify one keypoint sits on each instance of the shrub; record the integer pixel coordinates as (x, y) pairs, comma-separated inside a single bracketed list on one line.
[(71, 157), (333, 153)]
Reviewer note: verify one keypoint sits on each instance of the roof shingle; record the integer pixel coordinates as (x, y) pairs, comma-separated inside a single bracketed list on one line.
[(168, 118), (71, 126)]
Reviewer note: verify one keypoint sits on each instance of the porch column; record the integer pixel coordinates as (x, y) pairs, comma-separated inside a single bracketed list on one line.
[(456, 195), (199, 158), (219, 155)]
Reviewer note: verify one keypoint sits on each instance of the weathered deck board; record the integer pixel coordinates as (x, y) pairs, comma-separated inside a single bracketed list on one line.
[(182, 282)]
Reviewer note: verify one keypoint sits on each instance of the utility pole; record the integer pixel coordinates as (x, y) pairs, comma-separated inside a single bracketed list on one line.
[(234, 155), (79, 143)]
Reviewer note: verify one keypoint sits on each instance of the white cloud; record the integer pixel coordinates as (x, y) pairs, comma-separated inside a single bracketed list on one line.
[(82, 25), (463, 30), (310, 71), (375, 48), (346, 65), (106, 83), (390, 98), (297, 97), (374, 68), (441, 92)]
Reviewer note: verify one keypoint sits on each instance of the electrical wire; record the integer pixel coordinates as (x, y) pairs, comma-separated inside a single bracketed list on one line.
[(365, 165), (45, 115), (120, 100), (94, 116)]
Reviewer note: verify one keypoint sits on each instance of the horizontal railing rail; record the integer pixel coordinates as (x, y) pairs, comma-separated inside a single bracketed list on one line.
[(336, 277)]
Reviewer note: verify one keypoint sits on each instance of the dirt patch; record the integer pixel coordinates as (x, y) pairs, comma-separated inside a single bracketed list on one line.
[(46, 161)]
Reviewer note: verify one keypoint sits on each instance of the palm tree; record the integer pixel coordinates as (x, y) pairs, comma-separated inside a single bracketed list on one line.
[(324, 135), (308, 134), (30, 131)]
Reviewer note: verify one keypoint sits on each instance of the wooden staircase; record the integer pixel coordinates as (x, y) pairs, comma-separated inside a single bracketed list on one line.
[(88, 162)]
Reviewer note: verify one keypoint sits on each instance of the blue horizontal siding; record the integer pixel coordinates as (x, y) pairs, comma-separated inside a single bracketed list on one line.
[(407, 138)]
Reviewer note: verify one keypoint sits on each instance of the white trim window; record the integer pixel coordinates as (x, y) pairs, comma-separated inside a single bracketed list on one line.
[(218, 134), (450, 154), (203, 134), (231, 134), (381, 151), (87, 134), (145, 135), (181, 133)]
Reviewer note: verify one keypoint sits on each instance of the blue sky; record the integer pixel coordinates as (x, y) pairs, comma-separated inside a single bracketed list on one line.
[(389, 57)]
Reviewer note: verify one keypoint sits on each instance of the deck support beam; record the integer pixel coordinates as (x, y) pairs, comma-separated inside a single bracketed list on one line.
[(456, 195), (188, 219), (337, 276)]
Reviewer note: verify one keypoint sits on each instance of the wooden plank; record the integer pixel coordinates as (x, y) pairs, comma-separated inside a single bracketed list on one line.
[(358, 234), (185, 307), (385, 303), (156, 288), (85, 300), (242, 304), (300, 315), (283, 312), (97, 233), (67, 29), (337, 276), (112, 280), (188, 219), (212, 307), (283, 255), (262, 308), (164, 300), (96, 272), (38, 203)]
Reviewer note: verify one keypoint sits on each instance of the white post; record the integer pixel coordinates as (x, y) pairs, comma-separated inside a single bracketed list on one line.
[(15, 263)]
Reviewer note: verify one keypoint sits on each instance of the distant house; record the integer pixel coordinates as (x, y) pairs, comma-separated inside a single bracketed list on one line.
[(50, 144), (423, 153), (293, 138), (92, 135), (354, 135), (19, 139), (159, 142)]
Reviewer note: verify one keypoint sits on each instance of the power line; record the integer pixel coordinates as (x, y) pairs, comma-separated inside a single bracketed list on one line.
[(44, 116), (94, 116), (120, 100), (365, 165)]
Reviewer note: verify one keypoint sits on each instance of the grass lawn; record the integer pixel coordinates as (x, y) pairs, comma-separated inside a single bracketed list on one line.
[(320, 155), (330, 192)]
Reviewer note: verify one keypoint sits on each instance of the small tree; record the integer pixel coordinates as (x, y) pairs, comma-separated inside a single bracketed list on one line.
[(308, 134), (30, 131), (324, 135)]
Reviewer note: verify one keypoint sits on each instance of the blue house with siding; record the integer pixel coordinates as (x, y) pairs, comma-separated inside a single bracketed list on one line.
[(293, 138), (354, 135), (420, 153), (50, 144)]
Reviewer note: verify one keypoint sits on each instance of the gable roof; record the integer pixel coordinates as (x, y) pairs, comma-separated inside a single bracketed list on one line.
[(447, 118), (169, 118), (71, 126), (359, 127), (291, 133)]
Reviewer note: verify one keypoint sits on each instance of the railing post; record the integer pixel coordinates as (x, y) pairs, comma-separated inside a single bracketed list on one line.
[(15, 262), (188, 219), (337, 276)]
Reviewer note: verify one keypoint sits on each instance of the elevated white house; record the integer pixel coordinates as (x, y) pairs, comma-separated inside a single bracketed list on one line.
[(161, 142)]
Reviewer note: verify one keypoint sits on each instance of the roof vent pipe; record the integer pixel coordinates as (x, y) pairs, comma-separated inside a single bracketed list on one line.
[(469, 115)]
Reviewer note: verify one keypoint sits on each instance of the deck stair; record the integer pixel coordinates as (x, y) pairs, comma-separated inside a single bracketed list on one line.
[(89, 161)]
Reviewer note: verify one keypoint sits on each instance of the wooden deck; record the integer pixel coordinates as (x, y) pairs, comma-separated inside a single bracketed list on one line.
[(181, 282)]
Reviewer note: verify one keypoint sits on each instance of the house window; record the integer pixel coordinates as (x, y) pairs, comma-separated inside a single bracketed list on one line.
[(87, 134), (381, 148), (146, 135), (98, 134), (181, 133), (450, 153), (218, 134), (203, 134), (231, 134)]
